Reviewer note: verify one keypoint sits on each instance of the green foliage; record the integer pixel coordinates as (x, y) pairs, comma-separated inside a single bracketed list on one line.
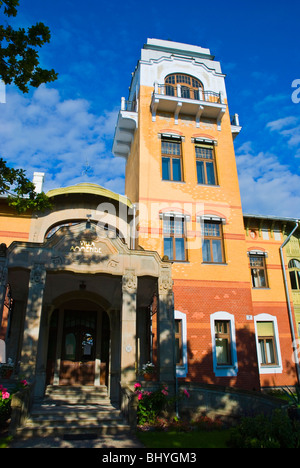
[(19, 58), (151, 404), (5, 404), (294, 397), (5, 400), (276, 431), (20, 190)]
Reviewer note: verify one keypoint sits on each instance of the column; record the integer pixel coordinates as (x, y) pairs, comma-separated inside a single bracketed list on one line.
[(165, 327), (36, 287), (128, 327)]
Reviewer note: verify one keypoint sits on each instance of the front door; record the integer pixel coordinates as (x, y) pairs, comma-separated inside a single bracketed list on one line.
[(78, 348)]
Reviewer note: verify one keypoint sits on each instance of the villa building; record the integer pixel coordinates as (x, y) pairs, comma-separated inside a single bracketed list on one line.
[(173, 272)]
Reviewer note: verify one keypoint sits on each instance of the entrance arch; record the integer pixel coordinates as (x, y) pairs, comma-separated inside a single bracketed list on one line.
[(78, 344)]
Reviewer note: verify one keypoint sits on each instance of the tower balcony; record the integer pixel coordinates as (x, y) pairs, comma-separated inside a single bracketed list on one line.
[(125, 128), (235, 125), (194, 102)]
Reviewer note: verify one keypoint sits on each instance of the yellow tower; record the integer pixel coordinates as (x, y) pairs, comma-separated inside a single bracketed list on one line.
[(176, 134)]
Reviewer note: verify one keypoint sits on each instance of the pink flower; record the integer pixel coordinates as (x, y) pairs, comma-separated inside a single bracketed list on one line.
[(186, 393), (140, 397), (137, 385), (24, 382), (164, 392), (5, 395)]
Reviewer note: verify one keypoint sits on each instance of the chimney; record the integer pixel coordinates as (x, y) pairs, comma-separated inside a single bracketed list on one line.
[(38, 180)]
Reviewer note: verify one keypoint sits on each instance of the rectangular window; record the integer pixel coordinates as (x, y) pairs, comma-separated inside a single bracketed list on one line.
[(205, 164), (178, 342), (258, 271), (174, 238), (212, 247), (223, 342), (266, 344), (171, 160)]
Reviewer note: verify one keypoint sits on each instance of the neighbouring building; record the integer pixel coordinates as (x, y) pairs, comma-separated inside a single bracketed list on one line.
[(173, 272)]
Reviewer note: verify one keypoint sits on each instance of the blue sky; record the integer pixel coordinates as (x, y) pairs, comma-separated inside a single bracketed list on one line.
[(65, 129)]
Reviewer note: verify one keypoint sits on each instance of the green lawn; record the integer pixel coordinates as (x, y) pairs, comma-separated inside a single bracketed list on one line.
[(4, 441), (177, 440)]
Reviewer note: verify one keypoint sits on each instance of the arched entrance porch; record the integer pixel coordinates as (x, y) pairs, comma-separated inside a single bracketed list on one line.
[(103, 270)]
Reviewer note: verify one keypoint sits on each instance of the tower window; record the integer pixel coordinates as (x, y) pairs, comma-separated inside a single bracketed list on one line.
[(174, 238), (171, 160), (205, 164), (212, 248)]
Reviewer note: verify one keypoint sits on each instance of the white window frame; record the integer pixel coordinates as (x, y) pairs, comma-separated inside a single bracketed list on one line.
[(232, 369), (181, 371), (276, 368)]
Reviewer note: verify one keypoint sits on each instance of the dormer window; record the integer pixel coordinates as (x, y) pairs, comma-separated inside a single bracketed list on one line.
[(190, 87)]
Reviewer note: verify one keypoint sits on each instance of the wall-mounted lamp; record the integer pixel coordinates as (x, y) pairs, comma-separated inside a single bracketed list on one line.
[(88, 223)]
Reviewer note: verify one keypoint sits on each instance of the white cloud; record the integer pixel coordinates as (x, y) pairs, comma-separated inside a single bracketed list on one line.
[(59, 137), (279, 124), (267, 186), (289, 128)]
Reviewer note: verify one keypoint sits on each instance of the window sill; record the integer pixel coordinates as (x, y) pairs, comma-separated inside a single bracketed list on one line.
[(225, 366), (174, 181), (275, 369), (215, 263), (258, 288), (179, 261), (208, 185)]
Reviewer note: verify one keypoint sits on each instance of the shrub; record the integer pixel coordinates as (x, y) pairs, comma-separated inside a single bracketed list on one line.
[(275, 431), (5, 404), (152, 404), (5, 400)]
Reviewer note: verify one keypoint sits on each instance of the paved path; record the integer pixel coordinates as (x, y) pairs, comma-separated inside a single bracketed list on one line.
[(120, 441)]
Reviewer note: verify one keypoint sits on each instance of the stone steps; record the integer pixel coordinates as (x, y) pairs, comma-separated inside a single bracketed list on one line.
[(73, 411)]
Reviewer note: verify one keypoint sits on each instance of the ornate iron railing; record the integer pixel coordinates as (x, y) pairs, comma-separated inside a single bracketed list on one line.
[(181, 91)]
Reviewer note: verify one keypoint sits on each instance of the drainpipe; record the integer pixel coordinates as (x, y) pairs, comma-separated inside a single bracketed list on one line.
[(296, 360)]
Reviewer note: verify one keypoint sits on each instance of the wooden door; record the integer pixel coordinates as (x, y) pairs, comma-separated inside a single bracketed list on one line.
[(78, 348)]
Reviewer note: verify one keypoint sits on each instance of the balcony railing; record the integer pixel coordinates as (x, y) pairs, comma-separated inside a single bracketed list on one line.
[(180, 91), (130, 106)]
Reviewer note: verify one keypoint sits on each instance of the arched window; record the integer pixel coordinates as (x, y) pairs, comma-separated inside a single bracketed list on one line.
[(191, 88), (294, 269)]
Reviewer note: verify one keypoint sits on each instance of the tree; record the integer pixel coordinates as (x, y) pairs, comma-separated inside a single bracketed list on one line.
[(19, 59), (20, 190), (19, 64)]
